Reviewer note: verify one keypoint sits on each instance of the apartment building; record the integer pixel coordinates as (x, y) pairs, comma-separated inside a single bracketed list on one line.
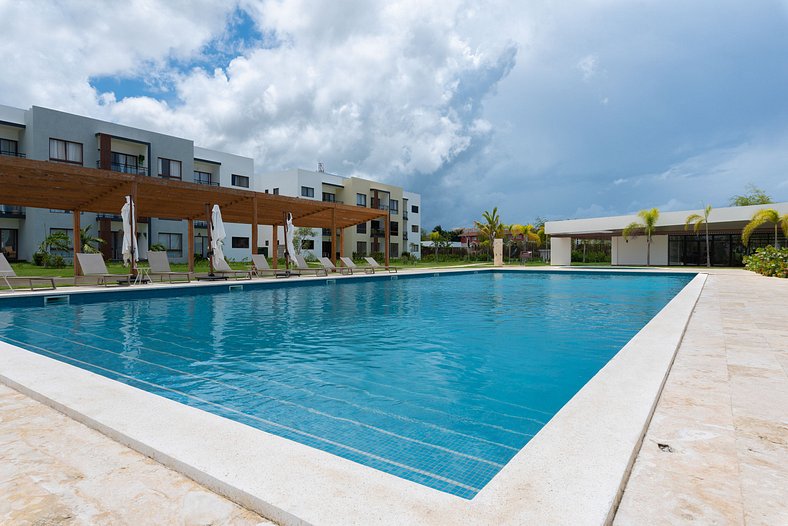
[(365, 239), (59, 137)]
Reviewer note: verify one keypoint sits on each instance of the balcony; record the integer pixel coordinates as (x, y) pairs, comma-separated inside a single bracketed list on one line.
[(12, 211), (10, 153), (380, 205), (405, 237), (404, 214), (125, 168), (377, 232), (208, 183)]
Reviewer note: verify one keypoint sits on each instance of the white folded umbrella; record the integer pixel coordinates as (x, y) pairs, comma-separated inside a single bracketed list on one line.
[(289, 234), (217, 234), (129, 247)]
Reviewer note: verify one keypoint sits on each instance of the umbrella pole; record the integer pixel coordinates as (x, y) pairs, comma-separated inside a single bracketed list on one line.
[(210, 239), (133, 235)]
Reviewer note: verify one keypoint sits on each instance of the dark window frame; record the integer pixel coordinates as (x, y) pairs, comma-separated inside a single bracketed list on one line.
[(307, 191), (65, 142), (239, 242), (164, 161), (241, 181)]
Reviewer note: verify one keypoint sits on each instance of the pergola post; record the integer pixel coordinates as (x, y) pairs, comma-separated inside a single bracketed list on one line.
[(275, 245), (388, 236), (210, 246), (77, 241), (190, 241), (334, 235), (341, 242), (254, 225)]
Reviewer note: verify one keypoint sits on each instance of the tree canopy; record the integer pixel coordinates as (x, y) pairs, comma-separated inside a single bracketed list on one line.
[(752, 196)]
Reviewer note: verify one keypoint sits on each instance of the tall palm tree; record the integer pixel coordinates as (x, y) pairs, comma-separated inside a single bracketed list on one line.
[(766, 215), (490, 227), (88, 240), (647, 227), (699, 220)]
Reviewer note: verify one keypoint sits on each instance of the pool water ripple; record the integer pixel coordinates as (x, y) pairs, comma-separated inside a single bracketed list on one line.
[(437, 380)]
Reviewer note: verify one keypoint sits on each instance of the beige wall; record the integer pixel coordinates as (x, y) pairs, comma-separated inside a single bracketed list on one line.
[(355, 185)]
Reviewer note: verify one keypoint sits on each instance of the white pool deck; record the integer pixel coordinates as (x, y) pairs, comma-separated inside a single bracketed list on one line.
[(572, 472)]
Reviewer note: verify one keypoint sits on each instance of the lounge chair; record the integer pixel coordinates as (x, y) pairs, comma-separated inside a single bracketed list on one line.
[(93, 266), (302, 266), (329, 266), (222, 269), (6, 271), (349, 264), (260, 267), (375, 266), (160, 266)]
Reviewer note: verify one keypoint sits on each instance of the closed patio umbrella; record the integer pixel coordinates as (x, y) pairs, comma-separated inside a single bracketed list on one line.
[(217, 234), (129, 247), (289, 234)]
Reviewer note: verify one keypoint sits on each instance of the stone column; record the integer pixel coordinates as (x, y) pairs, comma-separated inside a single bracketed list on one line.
[(498, 252)]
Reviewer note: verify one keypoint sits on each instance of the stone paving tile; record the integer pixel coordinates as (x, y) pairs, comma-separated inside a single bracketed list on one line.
[(724, 414), (56, 471)]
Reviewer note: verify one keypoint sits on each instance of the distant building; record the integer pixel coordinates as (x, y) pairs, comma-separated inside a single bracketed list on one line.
[(672, 244), (54, 136), (365, 239)]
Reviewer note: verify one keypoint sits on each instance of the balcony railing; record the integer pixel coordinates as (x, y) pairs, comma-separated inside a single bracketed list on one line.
[(12, 211), (9, 153), (208, 183), (377, 232), (404, 215), (377, 203), (125, 168)]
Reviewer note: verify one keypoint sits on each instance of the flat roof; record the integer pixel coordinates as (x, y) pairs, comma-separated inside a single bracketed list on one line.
[(728, 218)]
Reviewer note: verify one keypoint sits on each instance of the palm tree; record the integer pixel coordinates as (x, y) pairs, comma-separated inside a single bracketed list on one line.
[(699, 220), (766, 215), (647, 227), (491, 226), (528, 232), (87, 241)]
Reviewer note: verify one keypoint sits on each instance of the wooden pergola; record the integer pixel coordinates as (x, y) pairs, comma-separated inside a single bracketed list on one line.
[(45, 184)]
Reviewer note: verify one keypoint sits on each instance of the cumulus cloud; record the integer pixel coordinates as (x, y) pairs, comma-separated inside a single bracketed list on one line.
[(473, 104)]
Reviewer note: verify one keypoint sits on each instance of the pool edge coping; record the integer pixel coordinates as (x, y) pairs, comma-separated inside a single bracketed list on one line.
[(361, 494)]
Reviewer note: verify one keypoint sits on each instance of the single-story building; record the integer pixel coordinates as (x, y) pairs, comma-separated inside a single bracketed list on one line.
[(671, 244)]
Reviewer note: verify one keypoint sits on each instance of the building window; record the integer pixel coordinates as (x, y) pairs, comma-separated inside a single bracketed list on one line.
[(394, 206), (327, 232), (240, 181), (414, 209), (65, 151), (169, 169), (328, 197), (276, 191), (394, 250), (361, 248), (393, 228), (361, 199), (173, 243), (414, 229), (414, 248), (9, 243), (240, 242), (204, 178), (127, 164), (307, 191), (9, 147), (308, 244), (361, 228)]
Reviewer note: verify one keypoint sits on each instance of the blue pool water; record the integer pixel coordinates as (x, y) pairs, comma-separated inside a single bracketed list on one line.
[(439, 380)]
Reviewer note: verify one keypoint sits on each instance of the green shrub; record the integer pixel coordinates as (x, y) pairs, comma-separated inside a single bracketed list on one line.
[(768, 261), (55, 261), (157, 247), (40, 258)]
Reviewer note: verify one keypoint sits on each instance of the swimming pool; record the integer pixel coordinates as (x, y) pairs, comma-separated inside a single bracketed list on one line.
[(438, 380)]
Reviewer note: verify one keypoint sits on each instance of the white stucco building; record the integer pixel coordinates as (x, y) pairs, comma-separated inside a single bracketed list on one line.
[(671, 244)]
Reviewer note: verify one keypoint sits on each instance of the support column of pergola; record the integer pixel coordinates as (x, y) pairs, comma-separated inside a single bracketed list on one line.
[(190, 234), (275, 243), (254, 225), (77, 241), (334, 235), (388, 237)]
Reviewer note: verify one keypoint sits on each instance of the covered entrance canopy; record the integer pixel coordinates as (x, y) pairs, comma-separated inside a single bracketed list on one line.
[(45, 184)]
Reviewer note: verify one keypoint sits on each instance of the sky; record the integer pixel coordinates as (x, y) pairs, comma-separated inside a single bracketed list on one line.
[(542, 108)]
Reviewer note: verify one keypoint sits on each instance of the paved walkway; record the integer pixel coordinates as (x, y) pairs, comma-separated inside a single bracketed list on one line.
[(55, 471), (716, 451)]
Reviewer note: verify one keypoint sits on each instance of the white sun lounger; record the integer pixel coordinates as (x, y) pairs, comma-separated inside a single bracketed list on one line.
[(329, 266), (160, 266), (302, 266), (93, 266), (353, 267), (260, 267), (7, 271), (375, 266)]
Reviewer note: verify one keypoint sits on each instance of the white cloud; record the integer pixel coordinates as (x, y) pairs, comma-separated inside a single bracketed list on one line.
[(588, 67)]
